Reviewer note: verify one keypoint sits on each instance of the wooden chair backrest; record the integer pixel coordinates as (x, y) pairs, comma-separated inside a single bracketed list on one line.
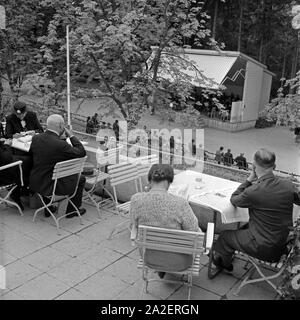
[(109, 157), (122, 172), (14, 164), (170, 240), (144, 164), (68, 168), (150, 159)]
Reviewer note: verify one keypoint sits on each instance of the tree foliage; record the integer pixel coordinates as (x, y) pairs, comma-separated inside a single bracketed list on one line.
[(18, 42), (285, 108), (113, 41), (265, 32), (134, 47)]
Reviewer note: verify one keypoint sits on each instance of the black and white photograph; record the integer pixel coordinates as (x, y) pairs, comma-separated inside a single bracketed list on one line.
[(149, 153)]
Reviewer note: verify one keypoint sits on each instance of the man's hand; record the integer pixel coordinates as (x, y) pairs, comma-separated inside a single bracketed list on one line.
[(68, 133), (252, 176), (17, 135), (31, 132), (8, 142)]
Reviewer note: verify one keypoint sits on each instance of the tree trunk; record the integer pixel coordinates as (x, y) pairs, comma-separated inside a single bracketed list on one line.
[(214, 29), (1, 92), (12, 82), (154, 79), (241, 2), (284, 62), (261, 45), (295, 62), (119, 103)]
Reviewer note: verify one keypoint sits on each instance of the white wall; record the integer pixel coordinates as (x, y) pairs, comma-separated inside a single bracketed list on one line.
[(236, 111), (252, 91), (266, 90)]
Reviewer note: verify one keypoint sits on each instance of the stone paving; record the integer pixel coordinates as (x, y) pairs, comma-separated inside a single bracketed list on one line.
[(82, 264)]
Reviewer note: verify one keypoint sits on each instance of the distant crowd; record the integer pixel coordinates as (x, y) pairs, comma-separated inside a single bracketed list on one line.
[(221, 157), (212, 106), (228, 160), (94, 123)]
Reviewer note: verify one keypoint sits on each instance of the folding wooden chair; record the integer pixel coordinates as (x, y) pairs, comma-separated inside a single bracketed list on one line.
[(120, 174), (11, 186), (143, 165), (99, 179), (177, 241), (61, 170), (262, 266)]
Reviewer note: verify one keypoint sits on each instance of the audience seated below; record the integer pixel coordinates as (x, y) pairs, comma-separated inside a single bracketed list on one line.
[(270, 201), (46, 150), (227, 159), (158, 208)]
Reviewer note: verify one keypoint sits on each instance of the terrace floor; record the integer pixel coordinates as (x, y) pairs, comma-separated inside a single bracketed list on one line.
[(82, 264)]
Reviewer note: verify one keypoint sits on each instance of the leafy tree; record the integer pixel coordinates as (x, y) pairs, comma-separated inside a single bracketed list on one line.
[(18, 42), (134, 48), (285, 108), (261, 29)]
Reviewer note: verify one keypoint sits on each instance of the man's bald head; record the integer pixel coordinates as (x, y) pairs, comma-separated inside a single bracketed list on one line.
[(56, 123), (265, 159)]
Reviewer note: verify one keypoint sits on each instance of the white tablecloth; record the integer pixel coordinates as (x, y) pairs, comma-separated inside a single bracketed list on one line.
[(22, 144), (214, 193), (209, 191)]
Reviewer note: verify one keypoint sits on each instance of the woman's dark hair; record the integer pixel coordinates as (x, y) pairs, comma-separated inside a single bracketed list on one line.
[(161, 172)]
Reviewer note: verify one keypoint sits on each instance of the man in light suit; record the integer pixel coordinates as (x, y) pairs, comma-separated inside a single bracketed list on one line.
[(270, 201), (47, 149)]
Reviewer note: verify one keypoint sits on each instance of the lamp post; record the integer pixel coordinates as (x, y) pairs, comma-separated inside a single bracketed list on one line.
[(68, 79), (296, 26)]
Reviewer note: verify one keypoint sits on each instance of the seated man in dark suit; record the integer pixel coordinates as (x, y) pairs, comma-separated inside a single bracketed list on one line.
[(21, 120), (241, 162), (270, 201), (47, 149), (228, 158), (11, 175)]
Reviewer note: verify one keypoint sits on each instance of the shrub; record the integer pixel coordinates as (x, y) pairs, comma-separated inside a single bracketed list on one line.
[(263, 123)]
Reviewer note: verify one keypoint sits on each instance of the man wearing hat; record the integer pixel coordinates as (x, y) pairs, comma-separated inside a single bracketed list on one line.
[(21, 120)]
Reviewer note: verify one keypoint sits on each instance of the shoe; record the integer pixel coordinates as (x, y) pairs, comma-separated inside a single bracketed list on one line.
[(161, 274), (17, 200), (52, 209), (82, 211), (219, 264), (228, 268), (25, 192)]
